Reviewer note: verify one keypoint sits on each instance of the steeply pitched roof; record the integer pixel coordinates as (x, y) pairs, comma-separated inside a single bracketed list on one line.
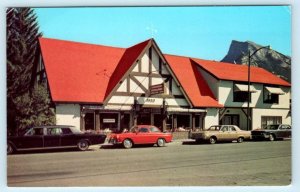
[(128, 59), (78, 72), (192, 81), (235, 72), (87, 73)]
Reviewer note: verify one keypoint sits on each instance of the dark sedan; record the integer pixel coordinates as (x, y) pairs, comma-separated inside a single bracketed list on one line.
[(272, 132), (51, 137)]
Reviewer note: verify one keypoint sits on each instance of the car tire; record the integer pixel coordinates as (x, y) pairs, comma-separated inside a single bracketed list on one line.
[(271, 137), (212, 140), (10, 148), (240, 140), (127, 144), (82, 145), (161, 142)]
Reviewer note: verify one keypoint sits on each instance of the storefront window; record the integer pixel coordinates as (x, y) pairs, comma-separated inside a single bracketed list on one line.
[(109, 121), (89, 120), (183, 121)]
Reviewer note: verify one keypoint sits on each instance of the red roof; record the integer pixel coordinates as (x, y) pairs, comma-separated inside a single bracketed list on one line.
[(78, 72), (192, 81), (87, 73), (128, 58), (236, 72)]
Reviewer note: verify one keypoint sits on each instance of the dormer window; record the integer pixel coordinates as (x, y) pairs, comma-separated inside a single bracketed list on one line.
[(271, 94), (240, 92)]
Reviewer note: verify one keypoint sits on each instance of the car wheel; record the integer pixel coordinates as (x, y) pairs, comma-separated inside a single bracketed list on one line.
[(271, 137), (83, 145), (240, 140), (212, 140), (127, 143), (161, 142), (10, 148)]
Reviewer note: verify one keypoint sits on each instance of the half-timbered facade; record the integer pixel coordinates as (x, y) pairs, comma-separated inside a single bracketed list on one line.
[(97, 87)]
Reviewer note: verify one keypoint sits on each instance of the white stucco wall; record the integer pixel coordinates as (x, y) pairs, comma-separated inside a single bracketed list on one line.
[(258, 113), (68, 114), (212, 117), (226, 97)]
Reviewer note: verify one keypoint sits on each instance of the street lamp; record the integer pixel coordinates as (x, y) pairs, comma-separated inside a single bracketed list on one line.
[(249, 63)]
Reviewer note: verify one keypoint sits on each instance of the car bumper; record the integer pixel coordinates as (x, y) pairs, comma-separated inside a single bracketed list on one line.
[(258, 137), (114, 141)]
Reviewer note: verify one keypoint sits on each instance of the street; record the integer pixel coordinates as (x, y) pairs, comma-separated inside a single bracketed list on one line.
[(178, 164)]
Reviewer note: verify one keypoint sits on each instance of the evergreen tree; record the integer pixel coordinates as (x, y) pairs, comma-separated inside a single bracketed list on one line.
[(22, 55)]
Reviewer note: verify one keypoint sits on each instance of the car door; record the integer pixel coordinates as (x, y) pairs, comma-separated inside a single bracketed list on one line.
[(34, 138), (232, 133), (281, 131), (142, 136), (223, 134), (68, 138), (52, 137)]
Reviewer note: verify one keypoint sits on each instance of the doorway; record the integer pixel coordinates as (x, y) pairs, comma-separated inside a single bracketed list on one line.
[(230, 120)]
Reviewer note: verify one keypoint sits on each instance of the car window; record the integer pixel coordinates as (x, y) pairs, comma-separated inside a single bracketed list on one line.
[(231, 128), (225, 128), (53, 131), (35, 131), (214, 128), (66, 131), (143, 130), (154, 129)]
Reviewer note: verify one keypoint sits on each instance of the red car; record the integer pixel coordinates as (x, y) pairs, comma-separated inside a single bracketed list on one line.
[(141, 134)]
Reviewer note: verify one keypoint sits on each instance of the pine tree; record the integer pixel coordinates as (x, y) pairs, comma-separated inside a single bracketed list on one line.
[(22, 55)]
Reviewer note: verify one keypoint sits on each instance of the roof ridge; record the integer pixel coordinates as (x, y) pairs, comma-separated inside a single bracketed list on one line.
[(81, 43)]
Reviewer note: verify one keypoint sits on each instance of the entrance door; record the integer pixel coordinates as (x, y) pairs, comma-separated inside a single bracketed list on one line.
[(144, 119), (230, 120)]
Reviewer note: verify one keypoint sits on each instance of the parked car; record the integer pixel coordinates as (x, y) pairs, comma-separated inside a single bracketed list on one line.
[(219, 133), (141, 134), (50, 137), (272, 132)]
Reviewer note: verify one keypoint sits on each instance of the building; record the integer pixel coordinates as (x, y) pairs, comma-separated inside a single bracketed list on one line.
[(99, 87)]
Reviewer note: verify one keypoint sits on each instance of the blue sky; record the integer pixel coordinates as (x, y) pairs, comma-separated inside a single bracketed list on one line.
[(203, 32)]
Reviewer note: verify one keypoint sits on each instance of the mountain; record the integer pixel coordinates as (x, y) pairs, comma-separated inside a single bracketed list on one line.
[(271, 60)]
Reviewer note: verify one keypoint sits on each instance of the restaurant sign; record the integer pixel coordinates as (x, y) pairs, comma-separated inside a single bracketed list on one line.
[(157, 89)]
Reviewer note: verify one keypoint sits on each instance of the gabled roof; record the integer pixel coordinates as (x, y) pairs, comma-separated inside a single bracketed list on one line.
[(236, 72), (87, 73), (78, 72), (128, 59), (192, 81)]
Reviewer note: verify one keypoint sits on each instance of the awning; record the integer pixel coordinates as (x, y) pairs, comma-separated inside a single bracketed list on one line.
[(244, 88), (179, 109), (275, 90)]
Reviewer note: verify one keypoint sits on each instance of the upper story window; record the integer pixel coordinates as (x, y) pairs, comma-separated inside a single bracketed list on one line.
[(271, 94), (240, 92)]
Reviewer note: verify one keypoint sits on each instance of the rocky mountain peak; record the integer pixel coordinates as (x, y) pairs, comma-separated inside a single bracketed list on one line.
[(269, 59)]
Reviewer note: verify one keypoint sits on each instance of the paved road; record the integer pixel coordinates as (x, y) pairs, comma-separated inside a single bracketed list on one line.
[(178, 164)]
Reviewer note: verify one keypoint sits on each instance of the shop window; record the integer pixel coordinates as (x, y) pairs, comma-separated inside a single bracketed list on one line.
[(269, 120), (109, 121), (89, 120), (183, 121)]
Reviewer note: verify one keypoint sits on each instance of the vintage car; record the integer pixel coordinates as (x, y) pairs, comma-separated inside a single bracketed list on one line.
[(219, 133), (272, 132), (50, 137), (141, 134)]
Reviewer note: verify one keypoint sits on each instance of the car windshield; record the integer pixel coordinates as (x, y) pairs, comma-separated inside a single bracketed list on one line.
[(272, 127), (214, 128)]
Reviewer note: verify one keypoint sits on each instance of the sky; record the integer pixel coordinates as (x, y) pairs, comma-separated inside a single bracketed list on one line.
[(196, 31)]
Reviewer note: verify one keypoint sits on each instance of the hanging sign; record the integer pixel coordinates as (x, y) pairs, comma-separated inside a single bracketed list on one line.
[(157, 89)]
